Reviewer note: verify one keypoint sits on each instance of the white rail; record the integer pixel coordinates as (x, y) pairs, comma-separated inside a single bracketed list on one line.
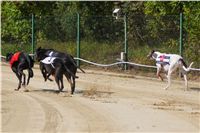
[(123, 62), (116, 63)]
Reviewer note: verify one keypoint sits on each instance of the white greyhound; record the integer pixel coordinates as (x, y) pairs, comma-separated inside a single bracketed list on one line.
[(169, 63)]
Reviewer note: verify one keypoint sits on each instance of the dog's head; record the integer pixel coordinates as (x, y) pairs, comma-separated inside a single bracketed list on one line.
[(149, 56), (9, 56), (40, 54)]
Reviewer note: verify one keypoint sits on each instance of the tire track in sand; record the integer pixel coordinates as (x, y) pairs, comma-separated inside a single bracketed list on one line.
[(20, 113), (74, 114)]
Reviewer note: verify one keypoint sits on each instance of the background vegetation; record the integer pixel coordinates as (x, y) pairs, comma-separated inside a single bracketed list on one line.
[(151, 25)]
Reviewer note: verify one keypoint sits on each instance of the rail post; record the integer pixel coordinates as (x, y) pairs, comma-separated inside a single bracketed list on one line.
[(33, 34), (78, 40), (181, 32), (181, 35), (125, 42)]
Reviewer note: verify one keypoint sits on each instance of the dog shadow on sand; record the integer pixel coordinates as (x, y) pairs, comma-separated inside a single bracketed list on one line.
[(52, 91), (195, 89)]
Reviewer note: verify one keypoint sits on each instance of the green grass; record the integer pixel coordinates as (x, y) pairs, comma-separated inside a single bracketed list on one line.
[(104, 53), (12, 48), (93, 51)]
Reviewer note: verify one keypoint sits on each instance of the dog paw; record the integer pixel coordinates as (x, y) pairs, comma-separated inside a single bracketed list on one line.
[(16, 89)]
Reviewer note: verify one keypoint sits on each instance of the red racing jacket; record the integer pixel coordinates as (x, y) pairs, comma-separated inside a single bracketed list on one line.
[(14, 58)]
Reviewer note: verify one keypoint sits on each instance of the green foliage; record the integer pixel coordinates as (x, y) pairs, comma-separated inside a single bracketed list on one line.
[(151, 25), (12, 48), (14, 27), (191, 25)]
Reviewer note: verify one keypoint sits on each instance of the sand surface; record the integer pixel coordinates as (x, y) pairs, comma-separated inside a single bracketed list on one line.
[(103, 102)]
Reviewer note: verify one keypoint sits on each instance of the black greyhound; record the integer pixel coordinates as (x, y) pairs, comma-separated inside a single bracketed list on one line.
[(18, 62), (67, 59), (56, 67)]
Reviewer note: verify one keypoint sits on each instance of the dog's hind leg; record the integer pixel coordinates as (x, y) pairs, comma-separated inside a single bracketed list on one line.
[(168, 80), (61, 81), (186, 82), (20, 70), (73, 85), (71, 81), (30, 74)]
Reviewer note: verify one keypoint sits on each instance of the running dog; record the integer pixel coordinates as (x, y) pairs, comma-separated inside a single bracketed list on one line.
[(56, 67), (169, 63), (68, 60), (18, 62)]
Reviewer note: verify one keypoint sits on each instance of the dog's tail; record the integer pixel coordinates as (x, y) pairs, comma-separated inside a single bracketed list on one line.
[(29, 60), (185, 68), (74, 76), (74, 63)]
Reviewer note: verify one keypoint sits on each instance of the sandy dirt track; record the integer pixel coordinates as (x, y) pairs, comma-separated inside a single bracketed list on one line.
[(103, 102)]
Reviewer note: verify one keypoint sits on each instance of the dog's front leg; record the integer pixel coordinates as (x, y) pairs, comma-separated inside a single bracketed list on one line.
[(158, 73), (48, 74), (20, 70), (19, 76), (47, 77)]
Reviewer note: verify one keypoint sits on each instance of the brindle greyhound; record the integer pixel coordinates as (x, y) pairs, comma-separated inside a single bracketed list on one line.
[(169, 63), (18, 62)]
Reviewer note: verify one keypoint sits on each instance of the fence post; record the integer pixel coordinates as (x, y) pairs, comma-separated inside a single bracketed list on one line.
[(125, 41), (181, 34), (33, 34), (78, 40)]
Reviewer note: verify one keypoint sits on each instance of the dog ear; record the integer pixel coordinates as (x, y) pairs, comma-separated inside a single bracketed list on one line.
[(8, 56), (39, 48)]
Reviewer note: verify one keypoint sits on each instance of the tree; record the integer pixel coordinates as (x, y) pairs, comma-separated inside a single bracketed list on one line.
[(15, 28)]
